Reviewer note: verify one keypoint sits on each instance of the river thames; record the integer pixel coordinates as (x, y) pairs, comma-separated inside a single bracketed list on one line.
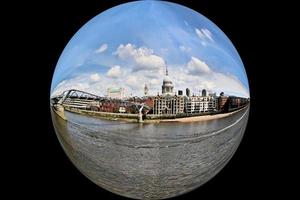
[(149, 160)]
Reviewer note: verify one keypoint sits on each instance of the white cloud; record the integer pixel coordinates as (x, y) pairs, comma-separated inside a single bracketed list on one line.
[(213, 82), (185, 49), (95, 77), (143, 58), (155, 81), (186, 23), (198, 67), (149, 62), (207, 33), (92, 83), (102, 48), (209, 85), (229, 85), (164, 50), (115, 72), (147, 68), (98, 84), (204, 34), (203, 43), (197, 75), (133, 82), (126, 51)]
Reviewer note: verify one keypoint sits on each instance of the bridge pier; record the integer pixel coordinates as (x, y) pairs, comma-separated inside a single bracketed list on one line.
[(140, 117), (60, 111)]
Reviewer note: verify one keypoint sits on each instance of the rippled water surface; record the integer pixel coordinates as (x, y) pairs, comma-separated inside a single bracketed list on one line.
[(149, 161)]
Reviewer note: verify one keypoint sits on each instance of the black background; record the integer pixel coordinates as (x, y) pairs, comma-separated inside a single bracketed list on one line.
[(257, 30)]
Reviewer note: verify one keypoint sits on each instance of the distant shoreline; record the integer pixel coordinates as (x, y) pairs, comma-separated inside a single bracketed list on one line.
[(203, 117), (181, 120)]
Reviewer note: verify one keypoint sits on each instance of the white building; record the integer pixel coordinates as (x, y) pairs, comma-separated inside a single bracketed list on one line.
[(168, 105), (200, 104), (116, 93)]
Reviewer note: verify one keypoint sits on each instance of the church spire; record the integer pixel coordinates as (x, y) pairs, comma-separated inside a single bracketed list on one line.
[(166, 69)]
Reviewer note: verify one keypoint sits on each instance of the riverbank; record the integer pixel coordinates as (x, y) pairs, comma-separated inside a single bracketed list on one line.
[(133, 117), (204, 117)]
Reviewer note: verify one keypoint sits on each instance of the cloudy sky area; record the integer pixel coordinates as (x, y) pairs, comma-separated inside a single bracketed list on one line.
[(130, 45)]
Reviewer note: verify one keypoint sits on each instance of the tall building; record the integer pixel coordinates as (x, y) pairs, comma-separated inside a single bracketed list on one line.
[(146, 90), (168, 103), (204, 93), (188, 92), (116, 93)]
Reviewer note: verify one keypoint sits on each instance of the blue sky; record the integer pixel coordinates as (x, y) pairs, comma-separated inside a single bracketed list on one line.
[(131, 44)]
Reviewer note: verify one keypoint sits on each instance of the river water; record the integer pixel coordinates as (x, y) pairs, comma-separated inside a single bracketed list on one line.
[(149, 161)]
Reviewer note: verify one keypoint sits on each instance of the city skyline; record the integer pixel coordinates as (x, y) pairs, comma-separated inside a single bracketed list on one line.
[(129, 55), (149, 99)]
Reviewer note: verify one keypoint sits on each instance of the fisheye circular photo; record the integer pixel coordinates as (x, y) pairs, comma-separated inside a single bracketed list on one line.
[(149, 100)]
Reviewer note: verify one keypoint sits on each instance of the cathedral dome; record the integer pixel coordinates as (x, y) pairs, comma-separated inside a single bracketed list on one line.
[(167, 87), (167, 80)]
